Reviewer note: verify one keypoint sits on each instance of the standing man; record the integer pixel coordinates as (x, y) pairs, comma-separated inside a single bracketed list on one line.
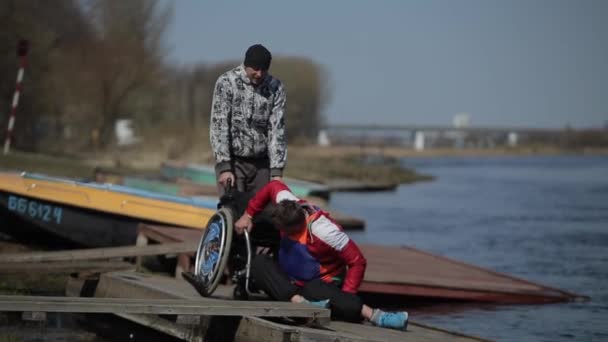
[(247, 124)]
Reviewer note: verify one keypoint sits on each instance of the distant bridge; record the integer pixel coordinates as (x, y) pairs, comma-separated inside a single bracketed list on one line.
[(424, 136), (439, 128)]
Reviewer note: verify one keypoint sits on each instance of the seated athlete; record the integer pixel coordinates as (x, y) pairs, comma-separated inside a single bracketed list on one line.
[(317, 262)]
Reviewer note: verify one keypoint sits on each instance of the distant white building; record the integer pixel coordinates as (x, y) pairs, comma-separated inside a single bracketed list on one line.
[(323, 138), (123, 129), (461, 120), (419, 141), (512, 138)]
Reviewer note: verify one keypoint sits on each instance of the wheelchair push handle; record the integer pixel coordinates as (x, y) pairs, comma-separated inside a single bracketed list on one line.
[(228, 186), (228, 195)]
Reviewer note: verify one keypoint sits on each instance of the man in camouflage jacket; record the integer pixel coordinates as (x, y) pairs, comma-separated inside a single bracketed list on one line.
[(247, 124)]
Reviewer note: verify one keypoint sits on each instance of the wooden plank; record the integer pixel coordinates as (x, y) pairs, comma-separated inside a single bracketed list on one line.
[(200, 306), (44, 333), (430, 270), (66, 267), (102, 253), (138, 285), (460, 294), (258, 329), (253, 328), (73, 287), (183, 332), (168, 234)]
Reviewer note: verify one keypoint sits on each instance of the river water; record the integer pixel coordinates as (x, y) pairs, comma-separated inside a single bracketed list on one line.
[(544, 219)]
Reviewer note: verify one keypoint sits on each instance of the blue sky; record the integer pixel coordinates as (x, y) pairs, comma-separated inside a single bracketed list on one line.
[(541, 63)]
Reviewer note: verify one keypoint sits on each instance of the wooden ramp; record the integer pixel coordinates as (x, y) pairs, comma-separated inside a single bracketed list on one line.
[(412, 272), (397, 272), (409, 272), (89, 267), (136, 285), (100, 253), (191, 306)]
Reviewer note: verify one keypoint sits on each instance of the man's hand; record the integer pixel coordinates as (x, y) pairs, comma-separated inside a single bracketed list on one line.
[(279, 178), (225, 178), (243, 223)]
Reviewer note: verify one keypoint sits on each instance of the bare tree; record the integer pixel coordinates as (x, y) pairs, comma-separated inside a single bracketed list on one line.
[(126, 56), (307, 89)]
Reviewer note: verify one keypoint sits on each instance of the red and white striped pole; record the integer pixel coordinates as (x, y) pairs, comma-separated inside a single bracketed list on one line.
[(22, 54)]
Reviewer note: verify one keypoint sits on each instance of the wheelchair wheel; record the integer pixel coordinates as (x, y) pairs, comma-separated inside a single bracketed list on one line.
[(213, 251)]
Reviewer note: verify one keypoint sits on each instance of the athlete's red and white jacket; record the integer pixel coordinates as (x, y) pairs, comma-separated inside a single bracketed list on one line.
[(322, 250)]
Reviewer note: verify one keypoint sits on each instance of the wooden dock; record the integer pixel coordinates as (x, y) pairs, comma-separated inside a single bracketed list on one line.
[(407, 271), (394, 275), (147, 299), (251, 328), (403, 272)]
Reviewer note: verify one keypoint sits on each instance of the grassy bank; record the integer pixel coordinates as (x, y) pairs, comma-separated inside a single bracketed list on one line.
[(303, 163), (327, 169), (72, 167), (51, 165), (319, 164)]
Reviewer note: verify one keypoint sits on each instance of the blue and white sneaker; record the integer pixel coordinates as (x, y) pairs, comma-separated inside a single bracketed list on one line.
[(320, 303), (391, 320)]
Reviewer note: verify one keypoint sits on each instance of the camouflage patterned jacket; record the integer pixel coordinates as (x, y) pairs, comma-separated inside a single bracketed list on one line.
[(258, 125)]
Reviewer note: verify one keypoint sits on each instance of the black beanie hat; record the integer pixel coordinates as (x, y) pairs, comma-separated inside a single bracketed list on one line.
[(257, 57)]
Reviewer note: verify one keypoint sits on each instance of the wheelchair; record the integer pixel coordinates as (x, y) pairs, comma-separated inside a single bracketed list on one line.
[(222, 254)]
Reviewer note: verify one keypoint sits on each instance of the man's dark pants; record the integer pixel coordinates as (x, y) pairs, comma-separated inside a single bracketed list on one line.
[(251, 174), (268, 277)]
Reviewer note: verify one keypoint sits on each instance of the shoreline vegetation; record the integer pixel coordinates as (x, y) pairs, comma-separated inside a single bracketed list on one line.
[(370, 165), (304, 166)]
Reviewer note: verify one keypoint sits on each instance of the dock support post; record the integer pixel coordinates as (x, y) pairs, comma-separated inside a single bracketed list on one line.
[(142, 240)]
